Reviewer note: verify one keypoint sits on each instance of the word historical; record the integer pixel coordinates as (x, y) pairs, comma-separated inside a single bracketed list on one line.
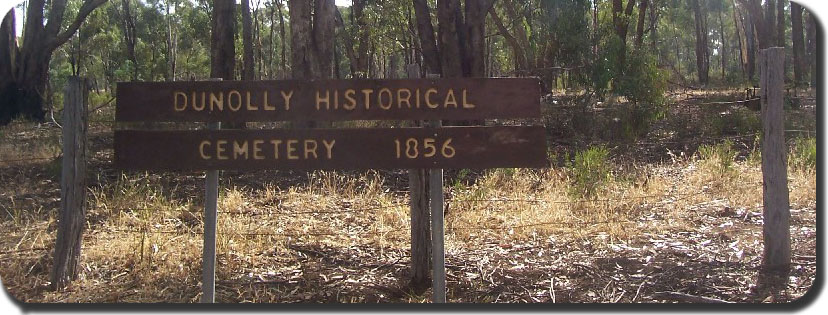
[(328, 100)]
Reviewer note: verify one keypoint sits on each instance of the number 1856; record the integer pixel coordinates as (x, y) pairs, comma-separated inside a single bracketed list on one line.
[(413, 148)]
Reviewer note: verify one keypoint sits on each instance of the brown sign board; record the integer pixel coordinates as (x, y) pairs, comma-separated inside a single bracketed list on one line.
[(291, 149), (329, 100)]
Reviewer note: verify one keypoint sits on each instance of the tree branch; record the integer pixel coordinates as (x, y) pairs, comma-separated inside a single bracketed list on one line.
[(87, 8)]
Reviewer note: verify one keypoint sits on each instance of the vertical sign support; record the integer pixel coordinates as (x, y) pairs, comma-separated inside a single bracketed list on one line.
[(72, 184), (419, 212), (438, 259), (776, 228), (208, 257)]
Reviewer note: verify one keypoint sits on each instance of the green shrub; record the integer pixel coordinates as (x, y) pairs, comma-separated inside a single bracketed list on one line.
[(803, 153), (721, 155), (590, 170)]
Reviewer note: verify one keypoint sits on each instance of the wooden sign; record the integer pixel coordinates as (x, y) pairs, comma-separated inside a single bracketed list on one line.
[(290, 149), (329, 100)]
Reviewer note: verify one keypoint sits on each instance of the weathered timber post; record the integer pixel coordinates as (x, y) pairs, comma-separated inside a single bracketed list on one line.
[(208, 257), (776, 228), (438, 256), (420, 216), (72, 184)]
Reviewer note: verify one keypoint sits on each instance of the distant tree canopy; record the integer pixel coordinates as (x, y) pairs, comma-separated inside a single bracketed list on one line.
[(624, 47)]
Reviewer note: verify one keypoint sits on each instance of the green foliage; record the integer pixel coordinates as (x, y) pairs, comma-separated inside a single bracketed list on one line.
[(720, 156), (632, 74), (590, 170), (803, 154), (733, 122)]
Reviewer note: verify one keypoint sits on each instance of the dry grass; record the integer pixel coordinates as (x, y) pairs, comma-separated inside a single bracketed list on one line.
[(511, 234)]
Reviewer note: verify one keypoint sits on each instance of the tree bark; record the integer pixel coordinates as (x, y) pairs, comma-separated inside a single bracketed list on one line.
[(702, 53), (724, 53), (302, 67), (811, 47), (24, 95), (639, 29), (428, 43), (248, 72), (283, 39), (452, 65), (780, 23), (476, 12), (324, 24), (770, 21), (222, 43), (798, 44)]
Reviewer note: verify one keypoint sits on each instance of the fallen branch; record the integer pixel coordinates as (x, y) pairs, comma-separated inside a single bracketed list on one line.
[(687, 298)]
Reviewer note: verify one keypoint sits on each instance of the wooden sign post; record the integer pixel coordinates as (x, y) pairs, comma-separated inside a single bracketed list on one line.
[(433, 147)]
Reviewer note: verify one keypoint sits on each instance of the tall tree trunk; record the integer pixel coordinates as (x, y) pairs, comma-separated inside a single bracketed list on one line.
[(450, 54), (283, 39), (639, 29), (780, 23), (247, 42), (8, 67), (621, 22), (763, 29), (171, 45), (702, 53), (324, 24), (223, 46), (272, 48), (798, 44), (363, 36), (811, 47), (222, 42), (476, 11), (770, 21), (24, 94), (738, 22), (724, 53), (425, 30), (130, 39), (300, 31)]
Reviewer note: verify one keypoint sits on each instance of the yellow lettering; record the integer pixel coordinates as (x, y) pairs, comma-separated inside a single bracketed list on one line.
[(220, 149), (450, 99), (428, 99), (216, 101), (183, 104), (201, 150), (367, 93), (336, 99), (239, 150), (267, 105), (249, 105), (230, 100), (326, 100), (390, 98), (287, 98), (276, 148), (466, 104), (203, 101), (309, 150), (328, 147), (349, 95), (418, 98), (401, 99), (257, 150), (291, 148)]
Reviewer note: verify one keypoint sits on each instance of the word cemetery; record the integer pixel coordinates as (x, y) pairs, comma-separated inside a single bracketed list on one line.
[(330, 100)]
